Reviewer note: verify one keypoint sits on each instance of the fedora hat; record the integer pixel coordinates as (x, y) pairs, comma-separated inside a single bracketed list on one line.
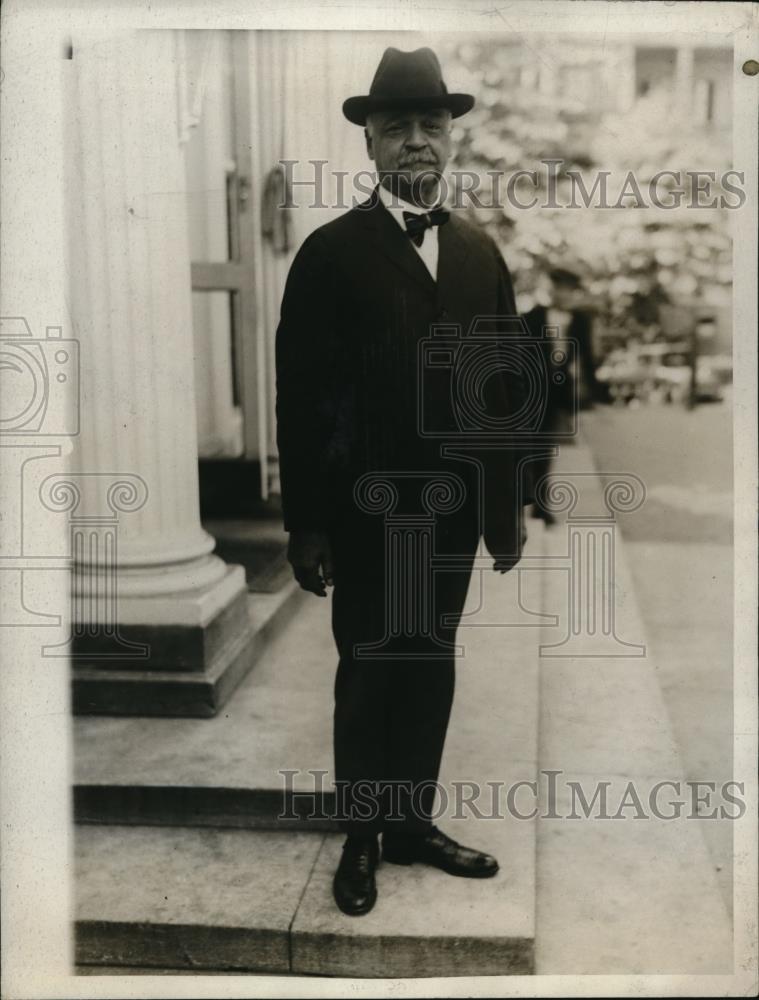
[(410, 81)]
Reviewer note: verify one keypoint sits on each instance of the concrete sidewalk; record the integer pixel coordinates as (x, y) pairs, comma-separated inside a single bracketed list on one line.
[(679, 546), (626, 895)]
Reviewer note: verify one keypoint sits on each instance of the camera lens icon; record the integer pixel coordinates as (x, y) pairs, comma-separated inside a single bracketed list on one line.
[(478, 367), (39, 381), (493, 380)]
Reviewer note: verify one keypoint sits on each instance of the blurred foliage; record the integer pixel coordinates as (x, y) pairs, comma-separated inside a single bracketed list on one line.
[(632, 259)]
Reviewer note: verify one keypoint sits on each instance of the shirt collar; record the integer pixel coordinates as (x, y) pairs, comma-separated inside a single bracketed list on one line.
[(396, 206)]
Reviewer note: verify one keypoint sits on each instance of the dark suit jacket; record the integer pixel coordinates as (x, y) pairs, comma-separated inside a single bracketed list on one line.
[(352, 391), (562, 396)]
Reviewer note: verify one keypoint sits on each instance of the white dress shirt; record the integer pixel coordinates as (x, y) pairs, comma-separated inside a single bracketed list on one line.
[(428, 251)]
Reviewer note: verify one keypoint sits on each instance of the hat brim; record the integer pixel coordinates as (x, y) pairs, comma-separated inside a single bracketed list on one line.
[(356, 109)]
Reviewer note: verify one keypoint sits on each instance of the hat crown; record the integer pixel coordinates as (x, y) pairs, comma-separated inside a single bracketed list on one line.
[(407, 81), (408, 74)]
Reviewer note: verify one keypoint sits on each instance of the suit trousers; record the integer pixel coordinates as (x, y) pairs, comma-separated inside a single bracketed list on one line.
[(396, 672)]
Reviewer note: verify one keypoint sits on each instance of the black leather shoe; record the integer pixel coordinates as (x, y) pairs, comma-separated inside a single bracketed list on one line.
[(354, 888), (437, 849)]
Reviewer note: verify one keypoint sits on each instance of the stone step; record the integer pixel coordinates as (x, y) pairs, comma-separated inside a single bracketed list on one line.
[(221, 771), (227, 770), (426, 923), (260, 901), (186, 693), (188, 899)]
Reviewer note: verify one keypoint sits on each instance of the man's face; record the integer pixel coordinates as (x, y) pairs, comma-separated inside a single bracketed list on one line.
[(411, 149)]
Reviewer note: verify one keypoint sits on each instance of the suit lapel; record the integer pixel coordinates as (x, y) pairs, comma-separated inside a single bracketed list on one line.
[(389, 239), (453, 251)]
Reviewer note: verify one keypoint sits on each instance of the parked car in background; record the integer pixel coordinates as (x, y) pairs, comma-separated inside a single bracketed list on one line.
[(674, 378), (722, 367), (621, 375), (660, 372)]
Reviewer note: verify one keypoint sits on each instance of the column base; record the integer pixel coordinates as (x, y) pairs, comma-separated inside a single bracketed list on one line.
[(176, 655)]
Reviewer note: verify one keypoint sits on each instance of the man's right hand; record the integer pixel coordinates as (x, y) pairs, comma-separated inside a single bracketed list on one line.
[(310, 555)]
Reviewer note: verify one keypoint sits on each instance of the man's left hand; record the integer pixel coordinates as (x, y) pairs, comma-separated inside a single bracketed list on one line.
[(503, 564)]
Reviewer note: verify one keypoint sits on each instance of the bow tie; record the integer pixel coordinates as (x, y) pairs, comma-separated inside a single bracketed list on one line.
[(416, 225)]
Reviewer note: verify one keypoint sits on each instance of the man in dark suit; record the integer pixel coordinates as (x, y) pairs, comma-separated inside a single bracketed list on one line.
[(365, 396), (576, 385)]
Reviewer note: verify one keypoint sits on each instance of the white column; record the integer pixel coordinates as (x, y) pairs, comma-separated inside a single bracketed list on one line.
[(131, 306)]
